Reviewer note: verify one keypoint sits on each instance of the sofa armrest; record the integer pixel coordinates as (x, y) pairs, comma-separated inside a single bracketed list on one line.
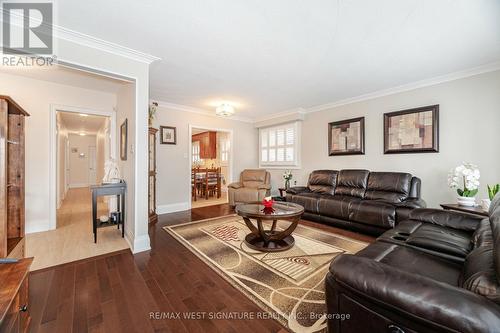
[(412, 203), (235, 185), (409, 295), (297, 189), (264, 187), (447, 218)]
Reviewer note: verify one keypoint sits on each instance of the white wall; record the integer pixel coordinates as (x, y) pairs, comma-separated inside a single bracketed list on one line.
[(125, 109), (469, 131), (36, 97), (173, 185), (79, 165), (103, 148), (62, 140)]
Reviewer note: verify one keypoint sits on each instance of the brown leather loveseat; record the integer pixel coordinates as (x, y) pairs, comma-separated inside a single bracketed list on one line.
[(254, 185), (371, 202), (439, 271)]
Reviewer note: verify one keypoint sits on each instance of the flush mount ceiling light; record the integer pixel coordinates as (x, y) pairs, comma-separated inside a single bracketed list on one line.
[(82, 134), (224, 110)]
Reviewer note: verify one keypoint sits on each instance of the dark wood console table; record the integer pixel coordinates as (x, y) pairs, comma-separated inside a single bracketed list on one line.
[(465, 209), (117, 189)]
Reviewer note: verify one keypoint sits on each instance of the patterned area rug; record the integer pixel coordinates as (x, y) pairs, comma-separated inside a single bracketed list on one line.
[(289, 285)]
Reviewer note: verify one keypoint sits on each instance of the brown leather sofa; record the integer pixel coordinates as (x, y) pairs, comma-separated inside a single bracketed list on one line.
[(254, 185), (371, 202), (439, 271)]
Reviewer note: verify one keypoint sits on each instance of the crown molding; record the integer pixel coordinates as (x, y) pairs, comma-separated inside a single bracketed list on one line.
[(191, 109), (297, 112), (93, 42), (103, 45), (491, 67)]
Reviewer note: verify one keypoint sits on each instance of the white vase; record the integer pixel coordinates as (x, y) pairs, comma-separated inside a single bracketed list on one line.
[(466, 201)]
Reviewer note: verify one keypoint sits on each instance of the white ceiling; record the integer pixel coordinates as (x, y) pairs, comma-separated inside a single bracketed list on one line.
[(74, 122), (272, 56)]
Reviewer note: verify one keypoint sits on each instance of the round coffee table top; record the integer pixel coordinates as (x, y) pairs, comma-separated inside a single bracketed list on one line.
[(279, 210)]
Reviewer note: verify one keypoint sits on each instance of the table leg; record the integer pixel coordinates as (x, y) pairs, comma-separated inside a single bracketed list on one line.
[(94, 215), (273, 227), (122, 196), (117, 210)]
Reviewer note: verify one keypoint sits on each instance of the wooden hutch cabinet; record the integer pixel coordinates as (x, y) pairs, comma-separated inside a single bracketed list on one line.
[(11, 178), (153, 217), (14, 305), (208, 144)]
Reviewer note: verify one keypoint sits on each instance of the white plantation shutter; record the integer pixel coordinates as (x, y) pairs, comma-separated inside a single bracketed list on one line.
[(279, 145)]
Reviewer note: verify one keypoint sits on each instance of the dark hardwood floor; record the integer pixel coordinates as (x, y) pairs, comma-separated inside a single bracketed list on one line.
[(120, 292)]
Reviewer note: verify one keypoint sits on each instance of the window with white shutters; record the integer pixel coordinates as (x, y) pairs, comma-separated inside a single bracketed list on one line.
[(279, 145), (196, 151)]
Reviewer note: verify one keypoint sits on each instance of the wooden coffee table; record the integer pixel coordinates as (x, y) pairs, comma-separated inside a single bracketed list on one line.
[(270, 240)]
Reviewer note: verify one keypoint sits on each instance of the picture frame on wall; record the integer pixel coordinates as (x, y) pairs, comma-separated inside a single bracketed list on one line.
[(346, 137), (168, 135), (412, 131), (123, 140)]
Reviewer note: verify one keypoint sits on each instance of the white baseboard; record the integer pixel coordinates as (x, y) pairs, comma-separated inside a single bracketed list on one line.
[(78, 185), (172, 208), (138, 244)]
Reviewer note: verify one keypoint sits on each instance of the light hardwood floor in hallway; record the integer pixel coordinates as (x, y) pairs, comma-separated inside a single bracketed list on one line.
[(73, 238)]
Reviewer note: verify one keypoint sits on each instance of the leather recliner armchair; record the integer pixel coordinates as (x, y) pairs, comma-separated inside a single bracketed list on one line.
[(254, 186)]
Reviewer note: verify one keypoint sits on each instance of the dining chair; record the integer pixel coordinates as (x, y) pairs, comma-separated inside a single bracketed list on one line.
[(194, 183)]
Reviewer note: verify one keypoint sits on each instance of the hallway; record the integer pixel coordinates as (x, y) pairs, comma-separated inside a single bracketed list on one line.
[(73, 238)]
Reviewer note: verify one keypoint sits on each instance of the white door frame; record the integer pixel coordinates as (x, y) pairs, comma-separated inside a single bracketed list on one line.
[(190, 153), (53, 150)]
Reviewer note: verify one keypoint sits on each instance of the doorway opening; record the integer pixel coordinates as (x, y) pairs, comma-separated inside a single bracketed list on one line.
[(211, 156), (82, 147)]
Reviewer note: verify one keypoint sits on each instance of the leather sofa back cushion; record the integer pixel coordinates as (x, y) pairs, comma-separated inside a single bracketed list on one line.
[(388, 186), (478, 274), (352, 182), (253, 178), (495, 229), (323, 181)]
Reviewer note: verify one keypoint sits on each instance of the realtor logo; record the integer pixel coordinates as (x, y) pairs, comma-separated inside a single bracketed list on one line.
[(27, 28)]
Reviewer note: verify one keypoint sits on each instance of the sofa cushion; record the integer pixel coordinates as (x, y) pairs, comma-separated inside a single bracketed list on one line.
[(336, 206), (308, 200), (388, 186), (478, 273), (254, 178), (373, 212), (441, 239), (483, 235), (352, 183), (323, 181), (495, 229), (413, 261)]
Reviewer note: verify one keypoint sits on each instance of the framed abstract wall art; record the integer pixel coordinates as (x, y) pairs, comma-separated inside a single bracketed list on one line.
[(412, 131), (346, 137)]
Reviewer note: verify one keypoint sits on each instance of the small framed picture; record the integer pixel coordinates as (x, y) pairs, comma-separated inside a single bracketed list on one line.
[(346, 137), (123, 140), (412, 131), (168, 135)]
